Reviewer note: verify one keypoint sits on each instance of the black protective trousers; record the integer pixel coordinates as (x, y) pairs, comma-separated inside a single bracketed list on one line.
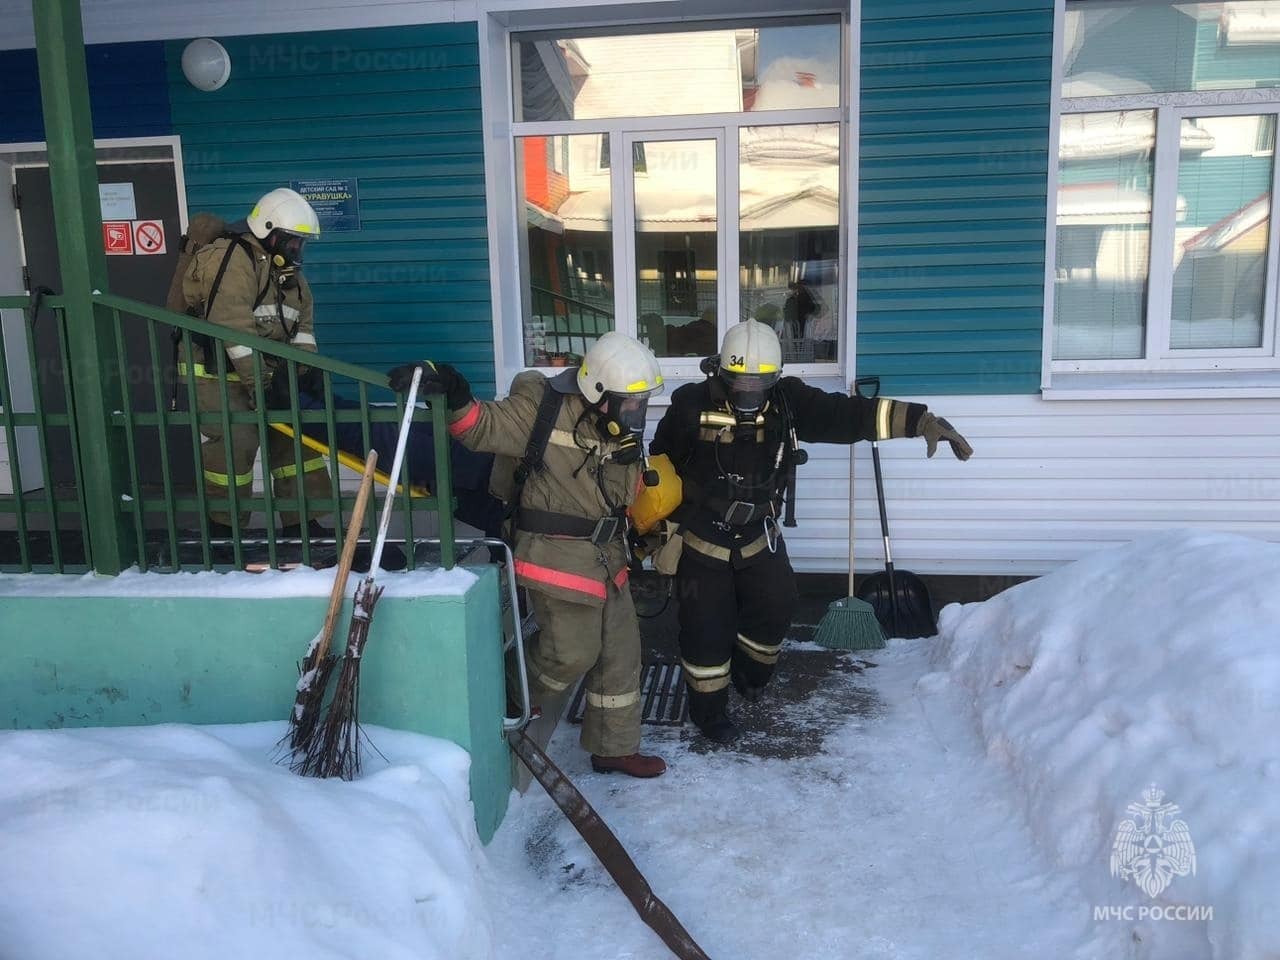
[(732, 623)]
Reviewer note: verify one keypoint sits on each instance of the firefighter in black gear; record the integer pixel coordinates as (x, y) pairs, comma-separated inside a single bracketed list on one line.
[(734, 439)]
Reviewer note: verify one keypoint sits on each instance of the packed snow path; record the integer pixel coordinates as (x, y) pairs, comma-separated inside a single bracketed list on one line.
[(895, 839)]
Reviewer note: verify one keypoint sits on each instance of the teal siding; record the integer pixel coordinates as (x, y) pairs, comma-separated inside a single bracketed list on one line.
[(953, 168), (398, 109)]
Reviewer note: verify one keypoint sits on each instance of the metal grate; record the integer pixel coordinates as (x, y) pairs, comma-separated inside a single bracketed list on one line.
[(662, 691)]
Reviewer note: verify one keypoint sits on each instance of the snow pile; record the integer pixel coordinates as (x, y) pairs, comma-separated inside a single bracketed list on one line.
[(169, 841), (1153, 663)]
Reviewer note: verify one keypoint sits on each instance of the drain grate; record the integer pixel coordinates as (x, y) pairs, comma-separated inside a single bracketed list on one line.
[(662, 691)]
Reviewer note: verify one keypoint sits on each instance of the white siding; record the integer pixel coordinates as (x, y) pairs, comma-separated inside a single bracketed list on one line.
[(1049, 482)]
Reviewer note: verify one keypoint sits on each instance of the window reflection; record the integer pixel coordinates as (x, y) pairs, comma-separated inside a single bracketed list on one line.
[(1220, 253), (568, 255), (789, 240), (1103, 234), (1136, 47), (676, 247), (793, 66)]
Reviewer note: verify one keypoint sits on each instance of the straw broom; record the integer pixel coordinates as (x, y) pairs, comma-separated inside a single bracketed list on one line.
[(334, 751), (317, 664)]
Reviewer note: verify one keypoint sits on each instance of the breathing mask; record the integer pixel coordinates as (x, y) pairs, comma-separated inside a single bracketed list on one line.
[(286, 253), (623, 415), (748, 391)]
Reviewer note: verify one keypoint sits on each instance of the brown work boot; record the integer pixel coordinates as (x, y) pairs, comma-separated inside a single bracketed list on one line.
[(633, 765)]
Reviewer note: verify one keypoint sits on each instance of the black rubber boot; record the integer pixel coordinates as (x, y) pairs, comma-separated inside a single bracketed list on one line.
[(749, 691), (718, 728), (293, 531)]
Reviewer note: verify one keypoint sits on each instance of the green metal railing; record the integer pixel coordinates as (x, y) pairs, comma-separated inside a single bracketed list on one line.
[(46, 512), (572, 325), (168, 519)]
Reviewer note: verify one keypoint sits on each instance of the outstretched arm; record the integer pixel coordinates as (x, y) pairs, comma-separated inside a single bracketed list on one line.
[(822, 417)]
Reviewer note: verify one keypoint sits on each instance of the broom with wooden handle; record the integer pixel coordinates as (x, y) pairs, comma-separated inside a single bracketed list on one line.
[(317, 663), (334, 751)]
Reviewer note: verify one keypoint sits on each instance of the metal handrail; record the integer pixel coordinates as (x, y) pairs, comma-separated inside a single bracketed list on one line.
[(137, 500), (571, 300), (516, 641)]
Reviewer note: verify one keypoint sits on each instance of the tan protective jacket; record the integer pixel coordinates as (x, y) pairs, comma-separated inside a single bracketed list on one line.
[(250, 300), (574, 468)]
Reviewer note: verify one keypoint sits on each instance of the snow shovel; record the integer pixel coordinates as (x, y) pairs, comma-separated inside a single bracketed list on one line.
[(899, 598)]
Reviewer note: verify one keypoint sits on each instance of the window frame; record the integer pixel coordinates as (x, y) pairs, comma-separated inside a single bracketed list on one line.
[(725, 128), (1160, 358)]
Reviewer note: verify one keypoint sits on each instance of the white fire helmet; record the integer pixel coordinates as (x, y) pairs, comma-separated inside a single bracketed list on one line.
[(750, 364), (285, 213), (625, 373)]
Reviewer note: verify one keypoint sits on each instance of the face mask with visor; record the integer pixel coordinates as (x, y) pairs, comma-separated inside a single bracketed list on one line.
[(286, 249), (624, 414), (748, 391)]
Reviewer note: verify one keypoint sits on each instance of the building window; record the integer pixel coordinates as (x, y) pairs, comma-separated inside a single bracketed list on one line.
[(1164, 257), (730, 208)]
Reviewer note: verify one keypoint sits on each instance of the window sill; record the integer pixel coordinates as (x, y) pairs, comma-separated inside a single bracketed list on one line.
[(1128, 385)]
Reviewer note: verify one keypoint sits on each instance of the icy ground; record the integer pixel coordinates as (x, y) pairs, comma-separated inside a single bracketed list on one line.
[(897, 841)]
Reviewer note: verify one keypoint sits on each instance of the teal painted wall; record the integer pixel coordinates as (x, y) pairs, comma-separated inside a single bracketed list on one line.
[(433, 666), (398, 109), (953, 167)]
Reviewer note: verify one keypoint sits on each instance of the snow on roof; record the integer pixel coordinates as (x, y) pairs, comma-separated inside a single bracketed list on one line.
[(689, 72), (1249, 23), (1087, 136)]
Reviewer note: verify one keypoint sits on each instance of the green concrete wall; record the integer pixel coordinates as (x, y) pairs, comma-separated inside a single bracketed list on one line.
[(433, 666)]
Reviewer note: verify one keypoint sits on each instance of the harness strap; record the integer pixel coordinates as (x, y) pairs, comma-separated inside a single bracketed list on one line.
[(600, 530)]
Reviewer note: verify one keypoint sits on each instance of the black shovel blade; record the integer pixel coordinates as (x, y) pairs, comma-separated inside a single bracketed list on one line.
[(915, 609)]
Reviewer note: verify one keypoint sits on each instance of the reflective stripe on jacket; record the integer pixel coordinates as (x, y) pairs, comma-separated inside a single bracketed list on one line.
[(574, 468)]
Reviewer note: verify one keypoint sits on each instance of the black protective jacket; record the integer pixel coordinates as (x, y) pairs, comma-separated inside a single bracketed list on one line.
[(734, 469)]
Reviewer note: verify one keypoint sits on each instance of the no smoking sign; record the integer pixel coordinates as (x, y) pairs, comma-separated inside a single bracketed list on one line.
[(148, 237)]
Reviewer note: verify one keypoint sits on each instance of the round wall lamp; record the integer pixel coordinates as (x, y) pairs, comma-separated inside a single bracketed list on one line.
[(206, 64)]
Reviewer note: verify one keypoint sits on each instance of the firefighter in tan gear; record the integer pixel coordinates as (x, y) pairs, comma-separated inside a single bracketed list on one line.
[(249, 281), (570, 525)]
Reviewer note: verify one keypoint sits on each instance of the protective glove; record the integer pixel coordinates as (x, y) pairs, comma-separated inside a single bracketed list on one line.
[(934, 429), (436, 378)]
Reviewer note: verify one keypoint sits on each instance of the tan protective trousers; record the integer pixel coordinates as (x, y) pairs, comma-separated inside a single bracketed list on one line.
[(602, 642), (244, 449)]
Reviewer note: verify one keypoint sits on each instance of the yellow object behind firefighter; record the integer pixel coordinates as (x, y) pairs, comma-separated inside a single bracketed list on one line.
[(349, 460), (655, 504)]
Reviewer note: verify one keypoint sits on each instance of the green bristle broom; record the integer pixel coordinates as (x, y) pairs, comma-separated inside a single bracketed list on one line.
[(850, 623)]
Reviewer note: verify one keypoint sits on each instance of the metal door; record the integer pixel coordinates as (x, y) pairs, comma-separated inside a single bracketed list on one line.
[(139, 277)]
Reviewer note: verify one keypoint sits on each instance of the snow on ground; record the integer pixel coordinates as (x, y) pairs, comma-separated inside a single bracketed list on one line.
[(896, 841), (960, 800), (150, 843), (1154, 663)]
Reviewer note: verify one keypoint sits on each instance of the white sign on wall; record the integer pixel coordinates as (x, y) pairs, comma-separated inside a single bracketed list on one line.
[(117, 201)]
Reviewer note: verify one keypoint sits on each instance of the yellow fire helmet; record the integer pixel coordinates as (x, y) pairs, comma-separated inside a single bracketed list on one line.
[(654, 504)]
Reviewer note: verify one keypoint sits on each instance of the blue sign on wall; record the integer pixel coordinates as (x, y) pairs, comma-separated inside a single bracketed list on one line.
[(336, 201)]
